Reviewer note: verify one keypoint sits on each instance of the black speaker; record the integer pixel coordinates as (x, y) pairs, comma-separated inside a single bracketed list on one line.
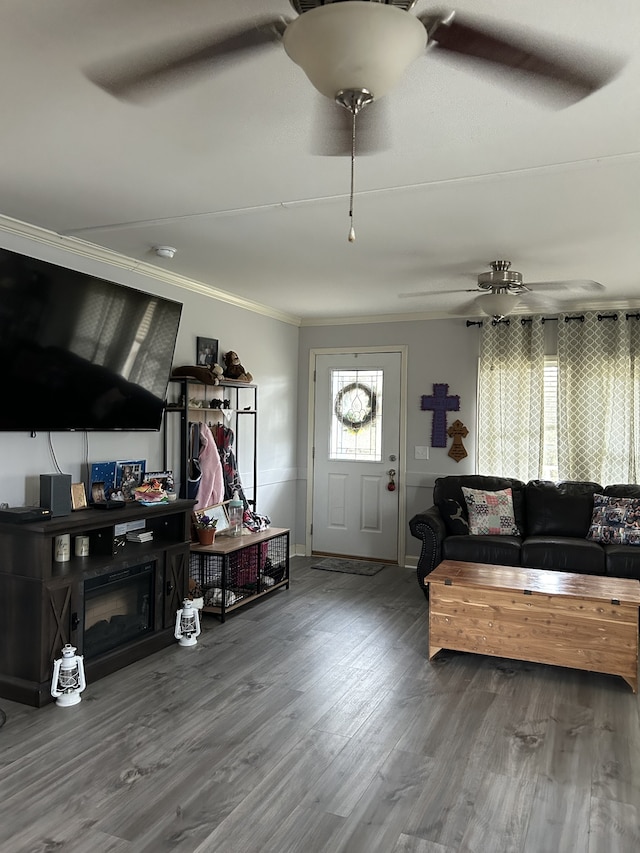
[(55, 493)]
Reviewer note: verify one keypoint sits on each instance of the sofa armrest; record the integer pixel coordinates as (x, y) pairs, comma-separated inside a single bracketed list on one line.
[(429, 527)]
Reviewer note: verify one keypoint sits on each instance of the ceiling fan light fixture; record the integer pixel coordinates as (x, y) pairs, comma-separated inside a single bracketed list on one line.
[(355, 45), (498, 304)]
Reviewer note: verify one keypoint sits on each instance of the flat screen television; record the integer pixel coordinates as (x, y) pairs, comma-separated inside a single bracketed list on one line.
[(80, 353)]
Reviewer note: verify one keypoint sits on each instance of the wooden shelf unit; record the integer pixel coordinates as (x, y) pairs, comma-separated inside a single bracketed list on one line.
[(42, 602), (236, 570), (241, 417)]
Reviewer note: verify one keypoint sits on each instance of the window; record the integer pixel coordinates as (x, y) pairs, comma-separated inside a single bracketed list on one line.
[(550, 420), (356, 400), (563, 405)]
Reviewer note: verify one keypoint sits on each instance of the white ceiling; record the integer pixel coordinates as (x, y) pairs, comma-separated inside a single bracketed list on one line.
[(222, 170)]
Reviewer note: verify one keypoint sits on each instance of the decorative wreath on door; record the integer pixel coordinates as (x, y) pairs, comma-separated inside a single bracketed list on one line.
[(355, 406)]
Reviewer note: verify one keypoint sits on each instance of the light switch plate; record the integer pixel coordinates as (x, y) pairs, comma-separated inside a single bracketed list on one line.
[(422, 452)]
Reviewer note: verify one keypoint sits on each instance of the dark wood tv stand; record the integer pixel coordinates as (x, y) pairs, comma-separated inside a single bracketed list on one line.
[(42, 602)]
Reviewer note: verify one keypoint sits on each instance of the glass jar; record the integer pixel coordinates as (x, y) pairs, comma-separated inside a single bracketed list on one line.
[(236, 515)]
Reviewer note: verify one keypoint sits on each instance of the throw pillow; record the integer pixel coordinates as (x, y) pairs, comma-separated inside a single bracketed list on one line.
[(490, 513), (454, 517), (615, 520)]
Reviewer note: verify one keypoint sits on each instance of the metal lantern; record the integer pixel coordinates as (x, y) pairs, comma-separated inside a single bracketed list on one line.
[(187, 624), (68, 680)]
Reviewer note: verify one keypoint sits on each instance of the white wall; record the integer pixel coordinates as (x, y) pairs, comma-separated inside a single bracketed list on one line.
[(439, 351), (277, 354), (267, 347)]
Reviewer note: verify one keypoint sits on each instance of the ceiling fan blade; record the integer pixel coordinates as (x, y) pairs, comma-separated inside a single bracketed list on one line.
[(467, 309), (535, 57), (149, 74), (541, 301), (420, 293), (333, 127), (578, 285)]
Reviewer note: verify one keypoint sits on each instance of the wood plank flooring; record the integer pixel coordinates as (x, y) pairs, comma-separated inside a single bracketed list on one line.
[(311, 722)]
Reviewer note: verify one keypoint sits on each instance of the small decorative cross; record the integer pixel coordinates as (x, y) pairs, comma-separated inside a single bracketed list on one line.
[(439, 403), (457, 431)]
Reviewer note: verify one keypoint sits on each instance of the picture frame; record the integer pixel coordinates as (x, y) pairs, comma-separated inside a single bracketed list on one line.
[(206, 352), (129, 475), (165, 478), (78, 496), (217, 511), (103, 479), (98, 492)]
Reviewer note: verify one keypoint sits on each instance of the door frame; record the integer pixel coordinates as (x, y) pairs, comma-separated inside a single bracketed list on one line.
[(401, 466)]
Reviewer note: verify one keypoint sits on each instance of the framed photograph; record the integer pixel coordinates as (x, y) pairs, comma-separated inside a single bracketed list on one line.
[(206, 352), (98, 492), (219, 512), (78, 496), (103, 476), (129, 475), (165, 478)]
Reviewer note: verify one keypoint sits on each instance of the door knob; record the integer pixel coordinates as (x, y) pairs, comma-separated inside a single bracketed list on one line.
[(391, 485)]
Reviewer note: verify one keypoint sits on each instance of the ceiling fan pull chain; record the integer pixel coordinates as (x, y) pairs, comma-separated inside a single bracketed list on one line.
[(352, 232)]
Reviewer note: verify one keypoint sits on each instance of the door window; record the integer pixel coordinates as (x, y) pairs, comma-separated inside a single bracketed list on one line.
[(356, 401)]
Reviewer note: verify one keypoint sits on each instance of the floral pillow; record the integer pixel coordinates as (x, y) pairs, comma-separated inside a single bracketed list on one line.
[(615, 520), (490, 513)]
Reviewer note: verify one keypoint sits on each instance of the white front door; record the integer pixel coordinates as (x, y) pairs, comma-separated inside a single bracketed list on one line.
[(357, 416)]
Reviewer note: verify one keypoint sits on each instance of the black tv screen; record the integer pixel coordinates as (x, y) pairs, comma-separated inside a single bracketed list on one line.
[(80, 353)]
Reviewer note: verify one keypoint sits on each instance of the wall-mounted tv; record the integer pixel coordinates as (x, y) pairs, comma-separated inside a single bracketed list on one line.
[(78, 352)]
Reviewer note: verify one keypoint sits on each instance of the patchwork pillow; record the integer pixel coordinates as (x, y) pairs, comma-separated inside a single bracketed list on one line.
[(490, 513), (615, 520), (454, 515)]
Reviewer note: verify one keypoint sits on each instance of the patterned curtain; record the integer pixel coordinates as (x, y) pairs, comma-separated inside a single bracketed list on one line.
[(510, 399), (598, 398)]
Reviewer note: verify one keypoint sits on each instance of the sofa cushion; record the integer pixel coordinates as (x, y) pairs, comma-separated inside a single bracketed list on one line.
[(490, 513), (623, 490), (615, 520), (622, 561), (563, 554), (450, 489), (497, 550), (559, 509)]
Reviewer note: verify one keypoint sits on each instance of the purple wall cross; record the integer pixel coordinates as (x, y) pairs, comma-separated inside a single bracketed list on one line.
[(439, 403)]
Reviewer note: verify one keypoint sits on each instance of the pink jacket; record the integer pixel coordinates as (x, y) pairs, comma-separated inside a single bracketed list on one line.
[(211, 490)]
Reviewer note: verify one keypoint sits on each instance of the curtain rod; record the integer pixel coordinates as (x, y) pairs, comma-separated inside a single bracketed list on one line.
[(581, 317)]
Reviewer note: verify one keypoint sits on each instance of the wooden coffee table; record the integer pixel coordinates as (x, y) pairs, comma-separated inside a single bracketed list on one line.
[(580, 621)]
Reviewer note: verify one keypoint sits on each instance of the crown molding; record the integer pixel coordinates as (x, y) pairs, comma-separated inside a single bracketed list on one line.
[(377, 318), (83, 249)]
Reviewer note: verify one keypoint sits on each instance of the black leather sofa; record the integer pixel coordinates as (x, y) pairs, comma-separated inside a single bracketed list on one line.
[(553, 520)]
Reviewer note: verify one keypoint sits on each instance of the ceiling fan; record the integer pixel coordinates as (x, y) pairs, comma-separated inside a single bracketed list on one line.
[(502, 289), (355, 51)]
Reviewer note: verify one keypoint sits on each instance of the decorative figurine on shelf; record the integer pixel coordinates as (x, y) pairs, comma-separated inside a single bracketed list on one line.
[(68, 679), (216, 403), (234, 370), (217, 372), (187, 624)]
